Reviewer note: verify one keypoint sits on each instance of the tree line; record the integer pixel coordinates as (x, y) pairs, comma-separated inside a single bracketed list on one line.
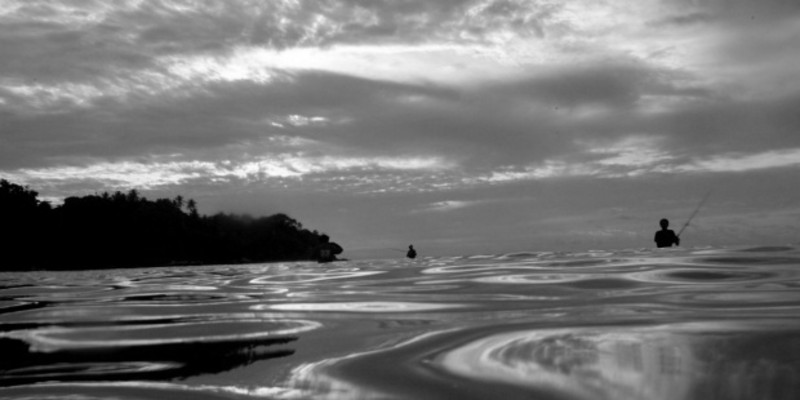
[(120, 230)]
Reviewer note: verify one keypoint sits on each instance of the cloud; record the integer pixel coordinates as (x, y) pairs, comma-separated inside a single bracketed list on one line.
[(577, 122), (446, 100), (276, 168), (746, 162), (640, 156), (447, 205)]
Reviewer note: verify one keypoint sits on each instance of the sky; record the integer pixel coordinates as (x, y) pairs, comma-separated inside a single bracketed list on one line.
[(459, 126)]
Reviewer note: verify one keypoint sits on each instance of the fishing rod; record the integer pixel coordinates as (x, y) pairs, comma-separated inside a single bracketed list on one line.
[(694, 213)]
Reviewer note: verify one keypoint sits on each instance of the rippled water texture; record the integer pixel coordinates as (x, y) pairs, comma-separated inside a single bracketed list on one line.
[(649, 324)]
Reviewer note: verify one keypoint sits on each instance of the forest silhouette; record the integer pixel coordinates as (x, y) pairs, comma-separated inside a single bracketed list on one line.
[(122, 230)]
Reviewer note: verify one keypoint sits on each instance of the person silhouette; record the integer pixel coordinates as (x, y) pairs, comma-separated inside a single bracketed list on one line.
[(411, 252), (666, 237), (326, 251)]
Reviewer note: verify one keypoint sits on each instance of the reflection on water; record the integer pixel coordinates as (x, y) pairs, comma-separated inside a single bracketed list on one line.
[(156, 361), (658, 362), (638, 324)]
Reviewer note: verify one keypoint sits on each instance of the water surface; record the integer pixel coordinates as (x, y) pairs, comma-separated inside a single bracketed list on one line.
[(637, 324)]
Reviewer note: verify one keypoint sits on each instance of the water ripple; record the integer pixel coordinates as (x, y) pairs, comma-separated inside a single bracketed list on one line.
[(675, 324), (362, 306), (659, 362), (50, 339)]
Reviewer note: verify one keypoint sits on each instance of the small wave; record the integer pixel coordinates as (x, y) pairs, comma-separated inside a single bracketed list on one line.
[(361, 307), (767, 249)]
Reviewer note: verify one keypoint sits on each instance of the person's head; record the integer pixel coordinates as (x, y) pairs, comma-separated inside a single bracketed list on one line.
[(664, 223), (324, 239), (410, 247)]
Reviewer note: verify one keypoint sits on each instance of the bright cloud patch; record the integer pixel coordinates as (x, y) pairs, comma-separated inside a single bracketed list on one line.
[(638, 156), (447, 205), (154, 174), (547, 169), (222, 68), (631, 156), (746, 162), (634, 151), (125, 174)]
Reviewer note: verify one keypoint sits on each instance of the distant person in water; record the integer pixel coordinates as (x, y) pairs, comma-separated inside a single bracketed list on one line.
[(326, 251), (666, 237), (411, 252)]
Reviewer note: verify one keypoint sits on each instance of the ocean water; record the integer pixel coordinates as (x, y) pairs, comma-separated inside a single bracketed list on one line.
[(638, 324)]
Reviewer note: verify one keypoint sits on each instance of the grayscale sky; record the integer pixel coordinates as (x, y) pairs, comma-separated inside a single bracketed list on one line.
[(459, 126)]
